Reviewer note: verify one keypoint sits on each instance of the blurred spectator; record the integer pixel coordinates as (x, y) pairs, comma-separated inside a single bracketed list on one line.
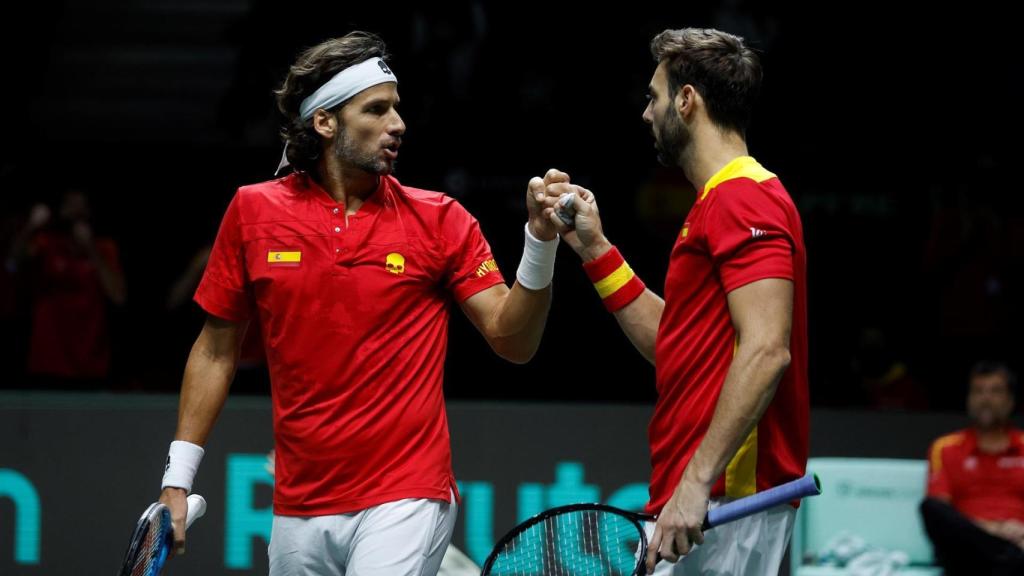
[(72, 276), (974, 511), (13, 319)]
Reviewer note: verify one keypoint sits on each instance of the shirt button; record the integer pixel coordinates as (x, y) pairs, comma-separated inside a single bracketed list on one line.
[(337, 228), (335, 210)]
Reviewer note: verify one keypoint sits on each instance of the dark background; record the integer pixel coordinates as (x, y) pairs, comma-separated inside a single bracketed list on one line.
[(896, 134)]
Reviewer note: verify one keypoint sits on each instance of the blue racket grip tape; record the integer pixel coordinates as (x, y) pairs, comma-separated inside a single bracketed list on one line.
[(809, 485)]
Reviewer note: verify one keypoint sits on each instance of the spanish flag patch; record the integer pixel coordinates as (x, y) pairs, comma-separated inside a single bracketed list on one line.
[(284, 258)]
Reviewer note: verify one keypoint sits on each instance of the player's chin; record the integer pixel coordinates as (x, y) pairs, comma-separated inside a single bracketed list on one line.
[(386, 167)]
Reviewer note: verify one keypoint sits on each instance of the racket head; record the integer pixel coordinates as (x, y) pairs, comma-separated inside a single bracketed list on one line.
[(579, 539), (150, 544)]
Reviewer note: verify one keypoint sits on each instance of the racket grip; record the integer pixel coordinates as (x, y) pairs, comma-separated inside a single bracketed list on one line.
[(566, 211), (809, 485), (196, 509)]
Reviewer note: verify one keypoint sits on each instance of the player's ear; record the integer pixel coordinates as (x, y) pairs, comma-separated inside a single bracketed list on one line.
[(325, 123), (686, 100)]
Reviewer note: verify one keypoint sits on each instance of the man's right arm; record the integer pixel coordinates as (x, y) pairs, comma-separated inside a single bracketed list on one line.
[(639, 318), (208, 374)]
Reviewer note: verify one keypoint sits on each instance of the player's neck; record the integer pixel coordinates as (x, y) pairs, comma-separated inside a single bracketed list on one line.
[(347, 184), (994, 439), (709, 151)]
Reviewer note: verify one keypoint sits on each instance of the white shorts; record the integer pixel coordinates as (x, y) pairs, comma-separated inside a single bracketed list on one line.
[(403, 538), (751, 546)]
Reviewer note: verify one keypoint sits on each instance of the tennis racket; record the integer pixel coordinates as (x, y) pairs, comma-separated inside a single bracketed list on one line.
[(600, 540), (154, 537)]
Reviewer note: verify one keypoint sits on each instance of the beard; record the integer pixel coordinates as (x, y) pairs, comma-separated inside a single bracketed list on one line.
[(346, 150), (988, 418), (673, 140)]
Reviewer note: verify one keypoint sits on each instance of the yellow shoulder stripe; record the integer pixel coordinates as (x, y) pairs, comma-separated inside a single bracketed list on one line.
[(742, 167), (939, 445)]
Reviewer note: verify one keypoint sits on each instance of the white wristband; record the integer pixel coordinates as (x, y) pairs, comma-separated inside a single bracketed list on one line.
[(538, 264), (182, 463)]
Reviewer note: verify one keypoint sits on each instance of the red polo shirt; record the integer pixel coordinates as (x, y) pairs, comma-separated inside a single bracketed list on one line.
[(981, 486), (743, 228), (354, 317)]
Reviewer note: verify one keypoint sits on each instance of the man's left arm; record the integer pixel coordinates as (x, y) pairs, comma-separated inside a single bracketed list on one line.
[(762, 314)]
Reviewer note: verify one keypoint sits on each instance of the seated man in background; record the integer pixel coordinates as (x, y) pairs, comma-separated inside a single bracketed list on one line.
[(974, 510)]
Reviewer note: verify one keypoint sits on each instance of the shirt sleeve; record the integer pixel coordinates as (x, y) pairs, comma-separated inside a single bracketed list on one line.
[(749, 235), (223, 290), (470, 264)]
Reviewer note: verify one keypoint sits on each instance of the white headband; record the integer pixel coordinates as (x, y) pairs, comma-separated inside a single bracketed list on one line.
[(346, 84)]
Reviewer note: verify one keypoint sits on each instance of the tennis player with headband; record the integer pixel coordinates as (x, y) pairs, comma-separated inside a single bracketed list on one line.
[(729, 341), (350, 275)]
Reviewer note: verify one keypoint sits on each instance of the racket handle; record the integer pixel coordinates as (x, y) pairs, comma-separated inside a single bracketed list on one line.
[(809, 485), (196, 509), (565, 210)]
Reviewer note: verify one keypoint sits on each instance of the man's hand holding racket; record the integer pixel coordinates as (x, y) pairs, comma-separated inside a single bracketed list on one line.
[(174, 499), (680, 524), (601, 540), (160, 532), (153, 538)]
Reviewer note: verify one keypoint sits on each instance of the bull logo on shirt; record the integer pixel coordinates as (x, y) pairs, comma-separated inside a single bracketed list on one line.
[(395, 263)]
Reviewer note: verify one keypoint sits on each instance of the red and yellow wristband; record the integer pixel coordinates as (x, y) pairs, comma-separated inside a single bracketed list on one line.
[(614, 280)]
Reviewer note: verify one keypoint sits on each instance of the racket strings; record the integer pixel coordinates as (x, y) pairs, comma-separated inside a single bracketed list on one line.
[(154, 547), (576, 543)]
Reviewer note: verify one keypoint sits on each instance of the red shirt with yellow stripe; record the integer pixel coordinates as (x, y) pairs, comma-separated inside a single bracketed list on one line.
[(743, 228), (354, 316), (982, 486)]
